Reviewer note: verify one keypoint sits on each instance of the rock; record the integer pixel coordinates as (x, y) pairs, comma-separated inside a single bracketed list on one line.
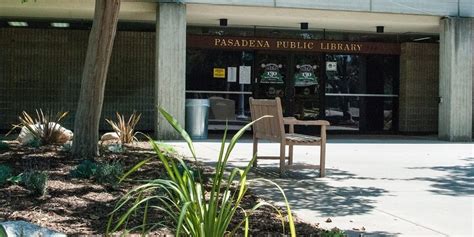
[(23, 228), (110, 136), (25, 137)]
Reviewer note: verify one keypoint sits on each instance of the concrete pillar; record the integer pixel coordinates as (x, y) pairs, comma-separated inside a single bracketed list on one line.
[(456, 78), (170, 66)]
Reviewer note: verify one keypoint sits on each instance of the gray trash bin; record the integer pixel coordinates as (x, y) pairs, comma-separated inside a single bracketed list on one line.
[(197, 113)]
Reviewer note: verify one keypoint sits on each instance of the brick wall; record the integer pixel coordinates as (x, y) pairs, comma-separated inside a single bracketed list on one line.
[(41, 68), (419, 87)]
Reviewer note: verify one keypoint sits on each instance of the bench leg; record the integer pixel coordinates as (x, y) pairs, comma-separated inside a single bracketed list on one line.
[(290, 155), (322, 162), (282, 159), (255, 150)]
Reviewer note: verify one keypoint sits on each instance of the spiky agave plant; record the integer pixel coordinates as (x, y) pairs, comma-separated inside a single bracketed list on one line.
[(44, 127), (125, 129), (183, 197)]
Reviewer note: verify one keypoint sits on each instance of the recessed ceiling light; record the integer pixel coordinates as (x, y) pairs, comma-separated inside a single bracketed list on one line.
[(17, 23), (59, 24), (421, 39)]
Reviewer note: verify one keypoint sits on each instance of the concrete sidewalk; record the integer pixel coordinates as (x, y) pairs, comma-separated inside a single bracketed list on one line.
[(390, 187)]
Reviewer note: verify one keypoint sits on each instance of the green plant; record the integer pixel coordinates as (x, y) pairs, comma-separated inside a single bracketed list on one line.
[(36, 182), (335, 232), (3, 232), (4, 146), (5, 174), (85, 170), (44, 128), (125, 129), (193, 210), (109, 173), (166, 149), (16, 179)]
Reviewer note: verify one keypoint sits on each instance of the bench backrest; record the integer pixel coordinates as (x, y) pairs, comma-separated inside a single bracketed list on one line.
[(268, 128)]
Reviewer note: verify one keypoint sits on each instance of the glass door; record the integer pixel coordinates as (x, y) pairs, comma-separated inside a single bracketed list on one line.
[(271, 70), (361, 92), (308, 90)]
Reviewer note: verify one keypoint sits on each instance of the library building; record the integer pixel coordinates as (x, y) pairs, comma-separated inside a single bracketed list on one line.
[(366, 66)]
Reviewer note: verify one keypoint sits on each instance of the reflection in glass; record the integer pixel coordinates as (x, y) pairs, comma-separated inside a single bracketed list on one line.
[(360, 113)]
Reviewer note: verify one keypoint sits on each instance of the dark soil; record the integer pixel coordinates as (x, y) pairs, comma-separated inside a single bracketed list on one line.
[(81, 207)]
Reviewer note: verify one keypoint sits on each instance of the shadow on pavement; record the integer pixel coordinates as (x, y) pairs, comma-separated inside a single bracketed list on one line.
[(356, 233), (305, 190), (457, 180)]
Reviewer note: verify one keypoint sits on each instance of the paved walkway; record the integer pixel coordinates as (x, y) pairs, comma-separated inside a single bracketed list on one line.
[(389, 187)]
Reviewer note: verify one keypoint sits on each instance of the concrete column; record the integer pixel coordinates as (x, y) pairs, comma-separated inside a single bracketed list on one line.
[(170, 66), (456, 76)]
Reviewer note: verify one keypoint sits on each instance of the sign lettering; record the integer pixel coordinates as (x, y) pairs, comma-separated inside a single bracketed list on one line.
[(247, 43)]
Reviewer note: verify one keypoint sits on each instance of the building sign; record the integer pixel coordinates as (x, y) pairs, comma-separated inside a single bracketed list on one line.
[(331, 66), (305, 75), (231, 74), (244, 74), (246, 43), (271, 74), (219, 73)]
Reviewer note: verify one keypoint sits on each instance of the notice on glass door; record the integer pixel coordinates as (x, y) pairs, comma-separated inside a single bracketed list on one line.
[(231, 74), (244, 74)]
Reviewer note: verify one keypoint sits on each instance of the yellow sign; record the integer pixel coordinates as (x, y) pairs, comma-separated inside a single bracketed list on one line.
[(219, 72)]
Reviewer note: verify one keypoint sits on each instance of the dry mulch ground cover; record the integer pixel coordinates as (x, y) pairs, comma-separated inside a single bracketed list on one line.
[(80, 207)]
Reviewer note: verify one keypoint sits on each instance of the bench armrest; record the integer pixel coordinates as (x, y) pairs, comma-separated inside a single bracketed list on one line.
[(294, 121)]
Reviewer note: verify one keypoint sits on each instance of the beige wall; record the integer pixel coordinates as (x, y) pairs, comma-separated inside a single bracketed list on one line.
[(41, 68), (419, 84)]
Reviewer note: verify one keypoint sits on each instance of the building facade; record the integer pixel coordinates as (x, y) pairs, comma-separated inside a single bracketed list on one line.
[(367, 66)]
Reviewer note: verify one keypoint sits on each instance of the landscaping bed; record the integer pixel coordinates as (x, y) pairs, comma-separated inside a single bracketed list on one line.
[(81, 206)]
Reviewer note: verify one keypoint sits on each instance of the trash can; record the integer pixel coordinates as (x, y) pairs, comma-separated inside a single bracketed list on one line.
[(197, 113)]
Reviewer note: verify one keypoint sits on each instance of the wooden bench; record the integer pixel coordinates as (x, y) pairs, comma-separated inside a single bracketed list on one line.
[(273, 129)]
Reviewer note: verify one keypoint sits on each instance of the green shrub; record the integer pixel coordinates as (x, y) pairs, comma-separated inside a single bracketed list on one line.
[(4, 146), (193, 210), (5, 174), (335, 232), (85, 170), (108, 173), (36, 182)]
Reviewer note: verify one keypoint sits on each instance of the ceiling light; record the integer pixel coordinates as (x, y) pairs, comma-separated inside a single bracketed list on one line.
[(421, 39), (59, 24), (380, 29), (223, 22), (17, 23), (304, 25)]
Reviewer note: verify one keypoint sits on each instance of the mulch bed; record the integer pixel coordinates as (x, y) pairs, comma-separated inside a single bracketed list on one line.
[(81, 207)]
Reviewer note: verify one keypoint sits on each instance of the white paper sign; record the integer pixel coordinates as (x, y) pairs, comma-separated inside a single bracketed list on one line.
[(244, 74), (331, 66), (231, 74)]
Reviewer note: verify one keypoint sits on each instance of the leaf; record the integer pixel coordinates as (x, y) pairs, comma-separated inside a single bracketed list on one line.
[(175, 124), (3, 232)]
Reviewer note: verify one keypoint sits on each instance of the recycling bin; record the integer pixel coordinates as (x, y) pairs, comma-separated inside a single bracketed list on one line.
[(197, 114)]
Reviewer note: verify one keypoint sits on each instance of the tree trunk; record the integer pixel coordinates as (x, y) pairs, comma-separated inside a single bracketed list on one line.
[(99, 50)]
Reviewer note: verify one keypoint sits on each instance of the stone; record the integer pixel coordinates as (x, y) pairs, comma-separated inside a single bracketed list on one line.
[(23, 228), (110, 136), (25, 137)]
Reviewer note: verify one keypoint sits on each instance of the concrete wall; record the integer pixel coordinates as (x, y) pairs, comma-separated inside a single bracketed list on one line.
[(419, 83), (456, 78), (41, 68), (423, 7)]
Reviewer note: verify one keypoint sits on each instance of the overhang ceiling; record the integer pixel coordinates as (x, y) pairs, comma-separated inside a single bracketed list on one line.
[(205, 14)]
